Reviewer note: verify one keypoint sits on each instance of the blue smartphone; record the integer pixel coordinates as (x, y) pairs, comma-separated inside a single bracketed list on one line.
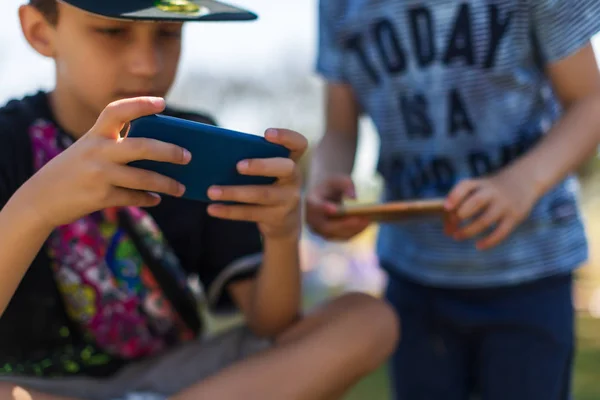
[(215, 153)]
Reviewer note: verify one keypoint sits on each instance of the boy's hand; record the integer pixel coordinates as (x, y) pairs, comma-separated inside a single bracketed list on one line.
[(274, 207), (500, 202), (322, 202), (92, 174)]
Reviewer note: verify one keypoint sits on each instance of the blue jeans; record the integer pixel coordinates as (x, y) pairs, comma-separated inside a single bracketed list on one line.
[(514, 343)]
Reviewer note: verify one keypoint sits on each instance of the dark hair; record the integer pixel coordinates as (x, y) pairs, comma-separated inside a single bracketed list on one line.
[(47, 7)]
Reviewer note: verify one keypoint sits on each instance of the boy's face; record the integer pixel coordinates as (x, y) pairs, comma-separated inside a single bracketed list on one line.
[(99, 60)]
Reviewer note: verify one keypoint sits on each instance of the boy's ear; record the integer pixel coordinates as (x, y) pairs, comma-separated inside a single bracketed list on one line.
[(37, 30)]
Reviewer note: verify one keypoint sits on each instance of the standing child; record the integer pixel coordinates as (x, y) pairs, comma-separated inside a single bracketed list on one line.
[(492, 105), (94, 295)]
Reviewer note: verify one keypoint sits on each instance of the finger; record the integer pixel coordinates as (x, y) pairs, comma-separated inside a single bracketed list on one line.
[(451, 223), (342, 184), (473, 204), (335, 188), (139, 179), (133, 198), (482, 223), (498, 235), (320, 217), (249, 213), (260, 195), (344, 229), (119, 113), (293, 141), (317, 204), (459, 193), (133, 149), (281, 168)]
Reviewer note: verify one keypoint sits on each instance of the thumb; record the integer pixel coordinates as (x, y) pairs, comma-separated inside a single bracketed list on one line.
[(459, 193), (338, 186), (316, 200), (119, 113)]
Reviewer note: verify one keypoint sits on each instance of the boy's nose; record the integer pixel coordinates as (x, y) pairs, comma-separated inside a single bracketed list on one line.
[(145, 60)]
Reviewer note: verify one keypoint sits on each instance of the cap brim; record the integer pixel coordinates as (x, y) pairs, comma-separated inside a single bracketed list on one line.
[(140, 10)]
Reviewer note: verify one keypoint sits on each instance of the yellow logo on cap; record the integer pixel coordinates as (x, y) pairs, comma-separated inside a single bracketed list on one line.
[(178, 6)]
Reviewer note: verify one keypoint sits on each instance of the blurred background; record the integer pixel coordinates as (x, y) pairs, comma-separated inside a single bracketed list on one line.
[(252, 76)]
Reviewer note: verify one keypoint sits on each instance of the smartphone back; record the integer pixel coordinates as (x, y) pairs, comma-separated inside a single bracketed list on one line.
[(215, 153)]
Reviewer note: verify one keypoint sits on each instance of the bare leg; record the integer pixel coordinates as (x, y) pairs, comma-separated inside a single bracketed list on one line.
[(12, 392), (318, 358)]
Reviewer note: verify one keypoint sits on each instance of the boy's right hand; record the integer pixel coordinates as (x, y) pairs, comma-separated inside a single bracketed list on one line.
[(322, 202), (93, 174)]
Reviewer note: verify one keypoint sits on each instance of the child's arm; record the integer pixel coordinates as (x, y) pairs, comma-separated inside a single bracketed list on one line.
[(508, 197), (89, 176), (562, 31), (271, 301), (575, 138), (334, 156), (332, 165), (23, 234)]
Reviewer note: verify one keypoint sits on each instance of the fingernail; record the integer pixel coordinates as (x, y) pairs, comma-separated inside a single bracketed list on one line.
[(243, 164), (271, 133), (182, 189), (213, 209), (330, 210), (157, 101), (187, 156), (215, 192)]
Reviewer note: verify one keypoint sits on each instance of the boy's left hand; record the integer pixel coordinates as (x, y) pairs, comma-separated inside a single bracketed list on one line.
[(276, 208), (500, 202)]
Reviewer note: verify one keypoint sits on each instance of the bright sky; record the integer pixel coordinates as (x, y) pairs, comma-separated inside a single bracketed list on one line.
[(275, 54)]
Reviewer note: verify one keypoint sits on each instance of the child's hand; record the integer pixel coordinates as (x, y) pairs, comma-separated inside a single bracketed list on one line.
[(322, 202), (274, 207), (92, 173), (500, 202)]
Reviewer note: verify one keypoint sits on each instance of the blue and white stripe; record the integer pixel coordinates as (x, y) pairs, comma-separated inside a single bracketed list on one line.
[(454, 88)]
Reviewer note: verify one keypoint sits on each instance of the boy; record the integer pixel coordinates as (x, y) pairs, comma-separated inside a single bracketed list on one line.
[(466, 97), (95, 298)]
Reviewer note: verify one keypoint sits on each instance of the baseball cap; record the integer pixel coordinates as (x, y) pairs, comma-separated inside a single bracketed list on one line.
[(164, 10)]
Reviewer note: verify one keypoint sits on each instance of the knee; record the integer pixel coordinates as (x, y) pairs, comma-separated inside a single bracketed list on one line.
[(375, 323), (9, 391)]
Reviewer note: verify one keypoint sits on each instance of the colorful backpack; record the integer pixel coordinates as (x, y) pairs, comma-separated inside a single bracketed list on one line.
[(120, 281)]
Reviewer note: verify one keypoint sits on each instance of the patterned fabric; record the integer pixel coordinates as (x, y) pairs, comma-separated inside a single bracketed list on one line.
[(456, 89), (107, 286)]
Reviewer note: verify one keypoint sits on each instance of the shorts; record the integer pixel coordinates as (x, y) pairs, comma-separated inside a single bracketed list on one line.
[(160, 377), (512, 343)]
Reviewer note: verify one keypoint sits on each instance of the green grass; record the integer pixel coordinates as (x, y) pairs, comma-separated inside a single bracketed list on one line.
[(586, 379), (587, 369), (373, 387)]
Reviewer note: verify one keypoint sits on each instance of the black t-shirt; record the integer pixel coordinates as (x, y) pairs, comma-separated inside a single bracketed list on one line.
[(36, 336)]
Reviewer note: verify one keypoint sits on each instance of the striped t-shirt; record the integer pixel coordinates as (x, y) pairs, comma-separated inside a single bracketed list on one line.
[(457, 89)]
